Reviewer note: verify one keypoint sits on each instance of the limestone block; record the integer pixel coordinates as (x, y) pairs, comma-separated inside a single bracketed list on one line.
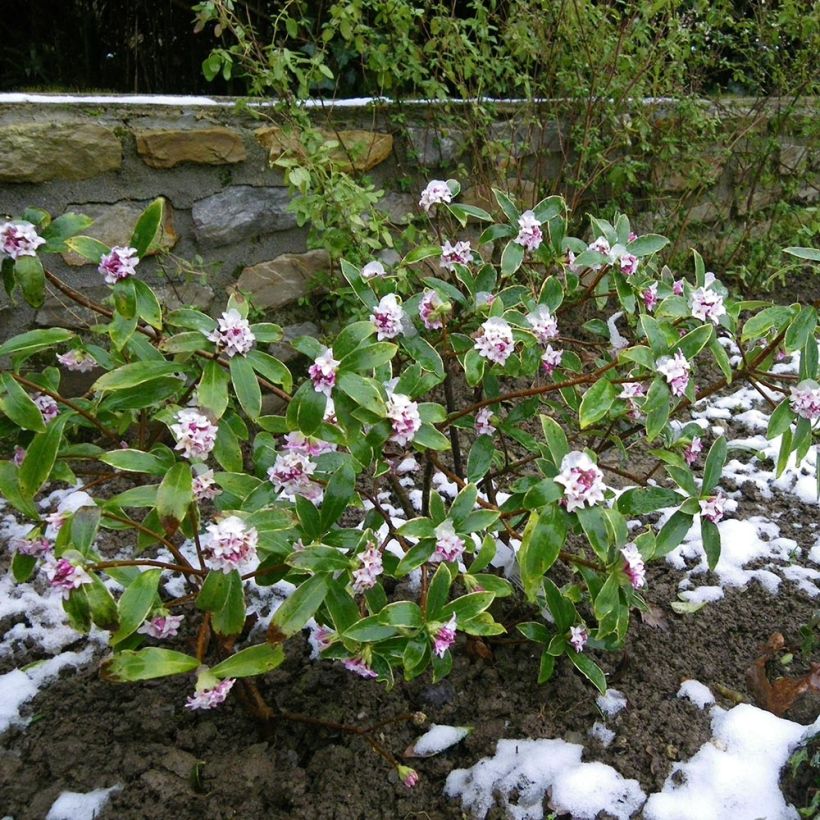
[(241, 212), (433, 147), (37, 152), (283, 280), (283, 350), (161, 148), (114, 225), (358, 150)]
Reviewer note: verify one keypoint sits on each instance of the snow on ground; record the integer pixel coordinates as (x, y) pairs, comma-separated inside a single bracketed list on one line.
[(76, 806), (695, 691), (438, 738), (611, 702)]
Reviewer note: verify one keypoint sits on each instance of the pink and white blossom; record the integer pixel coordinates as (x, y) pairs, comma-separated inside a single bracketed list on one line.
[(449, 547), (298, 442), (118, 264), (543, 324), (712, 508), (19, 239), (551, 359), (373, 269), (64, 575), (676, 370), (47, 406), (436, 192), (194, 433), (630, 391), (677, 287), (204, 486), (459, 254), (571, 261), (229, 544), (600, 245), (650, 297), (805, 400), (578, 637), (483, 427), (35, 547), (495, 340), (707, 305), (323, 372), (403, 413), (210, 697), (693, 450), (369, 569), (529, 232), (232, 335), (484, 299), (409, 777), (634, 566), (629, 264), (388, 317), (162, 626), (77, 360), (360, 667), (320, 637), (582, 480), (433, 309), (291, 473), (445, 637)]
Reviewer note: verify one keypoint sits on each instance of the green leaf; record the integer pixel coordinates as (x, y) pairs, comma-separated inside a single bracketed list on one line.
[(368, 357), (20, 407), (647, 244), (656, 408), (672, 533), (711, 541), (507, 206), (360, 288), (643, 500), (222, 595), (246, 386), (801, 329), (467, 606), (227, 450), (28, 270), (713, 468), (148, 307), (597, 401), (812, 254), (271, 368), (424, 354), (148, 230), (556, 439), (370, 629), (337, 495), (34, 340), (40, 457), (364, 391), (474, 364), (405, 614), (135, 461), (541, 544), (147, 664), (438, 591), (427, 436), (463, 504), (213, 389), (255, 660), (89, 248), (101, 604), (174, 496), (480, 459), (692, 343), (78, 610), (299, 608), (307, 408), (22, 567), (133, 375), (136, 603), (780, 420), (511, 258), (588, 668), (84, 524)]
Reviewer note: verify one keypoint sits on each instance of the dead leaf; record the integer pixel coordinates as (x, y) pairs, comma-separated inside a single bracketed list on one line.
[(654, 617)]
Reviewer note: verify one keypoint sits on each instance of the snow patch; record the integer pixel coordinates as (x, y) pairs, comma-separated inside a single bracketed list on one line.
[(695, 691), (439, 738), (611, 702), (77, 806), (602, 733)]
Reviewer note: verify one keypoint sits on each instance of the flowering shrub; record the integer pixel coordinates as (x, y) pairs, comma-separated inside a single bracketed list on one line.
[(462, 373)]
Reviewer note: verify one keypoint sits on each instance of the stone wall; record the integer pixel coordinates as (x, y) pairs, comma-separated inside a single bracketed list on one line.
[(227, 208)]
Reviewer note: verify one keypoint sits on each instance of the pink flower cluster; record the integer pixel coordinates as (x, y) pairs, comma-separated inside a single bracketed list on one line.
[(676, 370), (194, 433), (629, 392), (543, 323), (403, 413), (529, 232), (35, 547), (483, 427), (210, 697), (495, 340), (550, 359), (437, 191), (805, 400), (449, 547), (459, 254), (19, 239), (118, 264), (650, 297), (634, 566), (582, 480), (77, 360), (162, 626), (298, 442), (578, 637), (229, 544), (712, 508), (291, 474), (433, 310), (47, 406), (693, 450), (707, 305), (64, 575), (628, 263), (677, 287), (233, 334), (360, 667), (387, 317), (323, 372), (445, 637), (204, 486), (370, 568), (409, 777)]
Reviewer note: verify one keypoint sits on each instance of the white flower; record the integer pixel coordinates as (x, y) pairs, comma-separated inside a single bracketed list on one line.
[(444, 638), (233, 334), (578, 637), (458, 254), (403, 413), (373, 269), (634, 568), (707, 305), (483, 427), (229, 544), (543, 323), (436, 191), (323, 372), (495, 340), (600, 245), (210, 698), (162, 626), (583, 482), (712, 508), (529, 231), (205, 487), (650, 297), (195, 434), (805, 400), (432, 310), (77, 360), (19, 239), (387, 317), (628, 263), (118, 264), (693, 451), (291, 472), (449, 547), (676, 370), (64, 575), (551, 359), (370, 568), (47, 406)]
